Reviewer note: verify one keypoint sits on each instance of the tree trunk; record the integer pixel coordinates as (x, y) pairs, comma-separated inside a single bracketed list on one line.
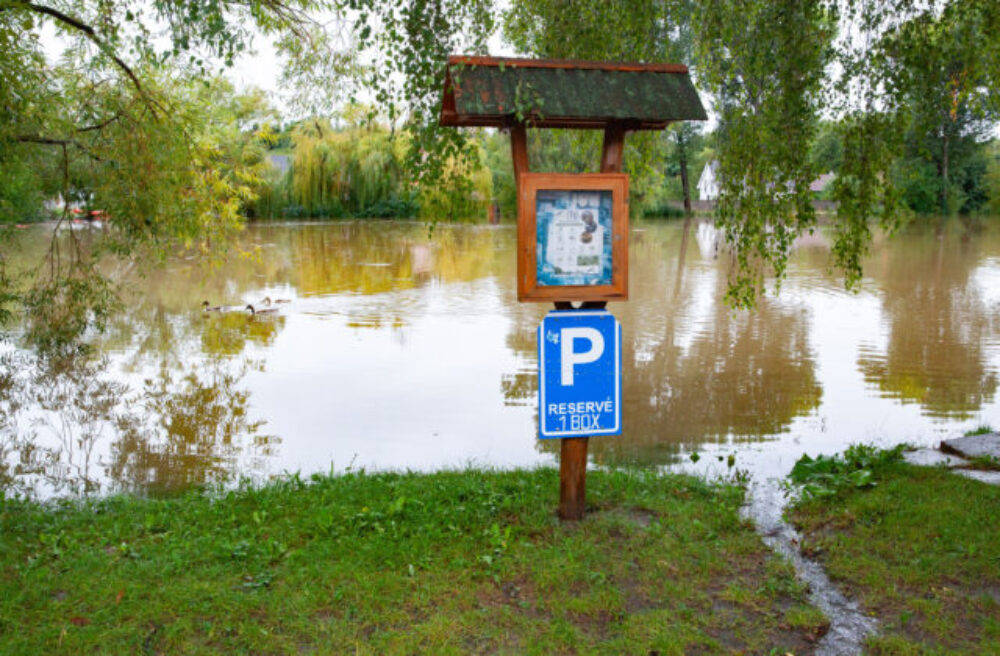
[(682, 256), (944, 173), (683, 161), (684, 183)]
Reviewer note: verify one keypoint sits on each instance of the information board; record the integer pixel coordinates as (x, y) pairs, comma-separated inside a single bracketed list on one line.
[(579, 374), (573, 237)]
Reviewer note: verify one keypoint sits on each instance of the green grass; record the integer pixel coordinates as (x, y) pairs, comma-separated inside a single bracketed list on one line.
[(984, 463), (453, 562), (919, 549)]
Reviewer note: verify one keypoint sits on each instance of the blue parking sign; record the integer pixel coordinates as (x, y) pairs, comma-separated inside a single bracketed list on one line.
[(579, 374)]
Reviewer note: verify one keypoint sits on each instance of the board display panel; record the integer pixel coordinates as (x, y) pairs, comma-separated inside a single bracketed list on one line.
[(573, 237)]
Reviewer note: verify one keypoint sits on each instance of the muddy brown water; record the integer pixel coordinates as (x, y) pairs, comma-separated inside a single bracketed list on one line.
[(400, 348)]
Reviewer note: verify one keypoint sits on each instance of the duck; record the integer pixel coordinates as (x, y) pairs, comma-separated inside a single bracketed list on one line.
[(276, 301), (208, 307), (254, 311)]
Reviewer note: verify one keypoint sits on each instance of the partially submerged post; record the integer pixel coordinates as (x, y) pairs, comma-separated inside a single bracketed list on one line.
[(514, 94)]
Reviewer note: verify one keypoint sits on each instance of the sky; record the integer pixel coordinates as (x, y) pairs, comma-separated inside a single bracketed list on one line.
[(262, 66)]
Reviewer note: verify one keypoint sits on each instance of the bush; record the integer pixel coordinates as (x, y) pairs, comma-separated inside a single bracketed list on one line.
[(859, 467), (662, 210)]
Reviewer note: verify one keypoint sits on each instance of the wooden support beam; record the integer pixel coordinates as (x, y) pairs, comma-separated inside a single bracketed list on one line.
[(519, 150), (614, 146), (519, 156)]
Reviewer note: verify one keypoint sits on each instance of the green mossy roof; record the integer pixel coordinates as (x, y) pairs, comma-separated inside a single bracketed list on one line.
[(568, 94)]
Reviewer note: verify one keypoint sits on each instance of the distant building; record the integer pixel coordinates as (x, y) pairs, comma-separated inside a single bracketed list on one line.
[(280, 162), (57, 204), (708, 183), (54, 204), (820, 184)]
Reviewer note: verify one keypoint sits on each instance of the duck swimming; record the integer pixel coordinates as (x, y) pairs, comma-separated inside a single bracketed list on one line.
[(277, 301), (208, 307), (254, 311)]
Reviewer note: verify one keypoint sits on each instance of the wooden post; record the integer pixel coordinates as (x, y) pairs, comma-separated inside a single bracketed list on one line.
[(614, 144), (519, 150), (573, 451), (573, 477), (519, 156)]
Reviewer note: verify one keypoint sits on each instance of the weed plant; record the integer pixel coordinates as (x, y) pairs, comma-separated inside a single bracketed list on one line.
[(858, 467)]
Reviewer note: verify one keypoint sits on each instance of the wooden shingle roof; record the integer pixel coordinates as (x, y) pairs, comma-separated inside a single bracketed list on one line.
[(497, 92)]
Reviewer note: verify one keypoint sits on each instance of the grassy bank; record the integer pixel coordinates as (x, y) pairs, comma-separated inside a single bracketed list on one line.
[(919, 549), (454, 562)]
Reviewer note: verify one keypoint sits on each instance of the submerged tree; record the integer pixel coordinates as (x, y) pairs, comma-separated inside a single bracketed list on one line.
[(766, 72), (893, 61)]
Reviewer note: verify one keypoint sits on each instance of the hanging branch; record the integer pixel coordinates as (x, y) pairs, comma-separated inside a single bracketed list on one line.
[(50, 141), (106, 48), (101, 125)]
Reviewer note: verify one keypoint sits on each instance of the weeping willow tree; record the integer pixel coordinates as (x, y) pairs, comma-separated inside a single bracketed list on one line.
[(766, 71), (120, 119), (362, 171), (768, 65), (469, 200), (178, 182), (358, 171)]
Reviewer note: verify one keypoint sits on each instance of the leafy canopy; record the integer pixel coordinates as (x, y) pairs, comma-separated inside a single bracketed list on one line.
[(128, 120), (775, 71)]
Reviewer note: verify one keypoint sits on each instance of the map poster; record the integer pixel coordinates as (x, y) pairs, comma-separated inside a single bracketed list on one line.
[(574, 236)]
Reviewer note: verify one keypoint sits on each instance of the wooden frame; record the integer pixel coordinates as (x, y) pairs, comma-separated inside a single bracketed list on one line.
[(528, 286)]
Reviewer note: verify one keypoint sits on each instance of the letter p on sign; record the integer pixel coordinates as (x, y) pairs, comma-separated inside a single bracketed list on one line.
[(569, 357)]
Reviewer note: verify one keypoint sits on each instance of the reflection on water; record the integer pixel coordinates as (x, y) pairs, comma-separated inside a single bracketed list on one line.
[(68, 427), (200, 430), (53, 414), (939, 326), (694, 371), (227, 333), (400, 347)]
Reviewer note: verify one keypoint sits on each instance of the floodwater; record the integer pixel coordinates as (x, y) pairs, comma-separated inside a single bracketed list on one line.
[(404, 348)]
